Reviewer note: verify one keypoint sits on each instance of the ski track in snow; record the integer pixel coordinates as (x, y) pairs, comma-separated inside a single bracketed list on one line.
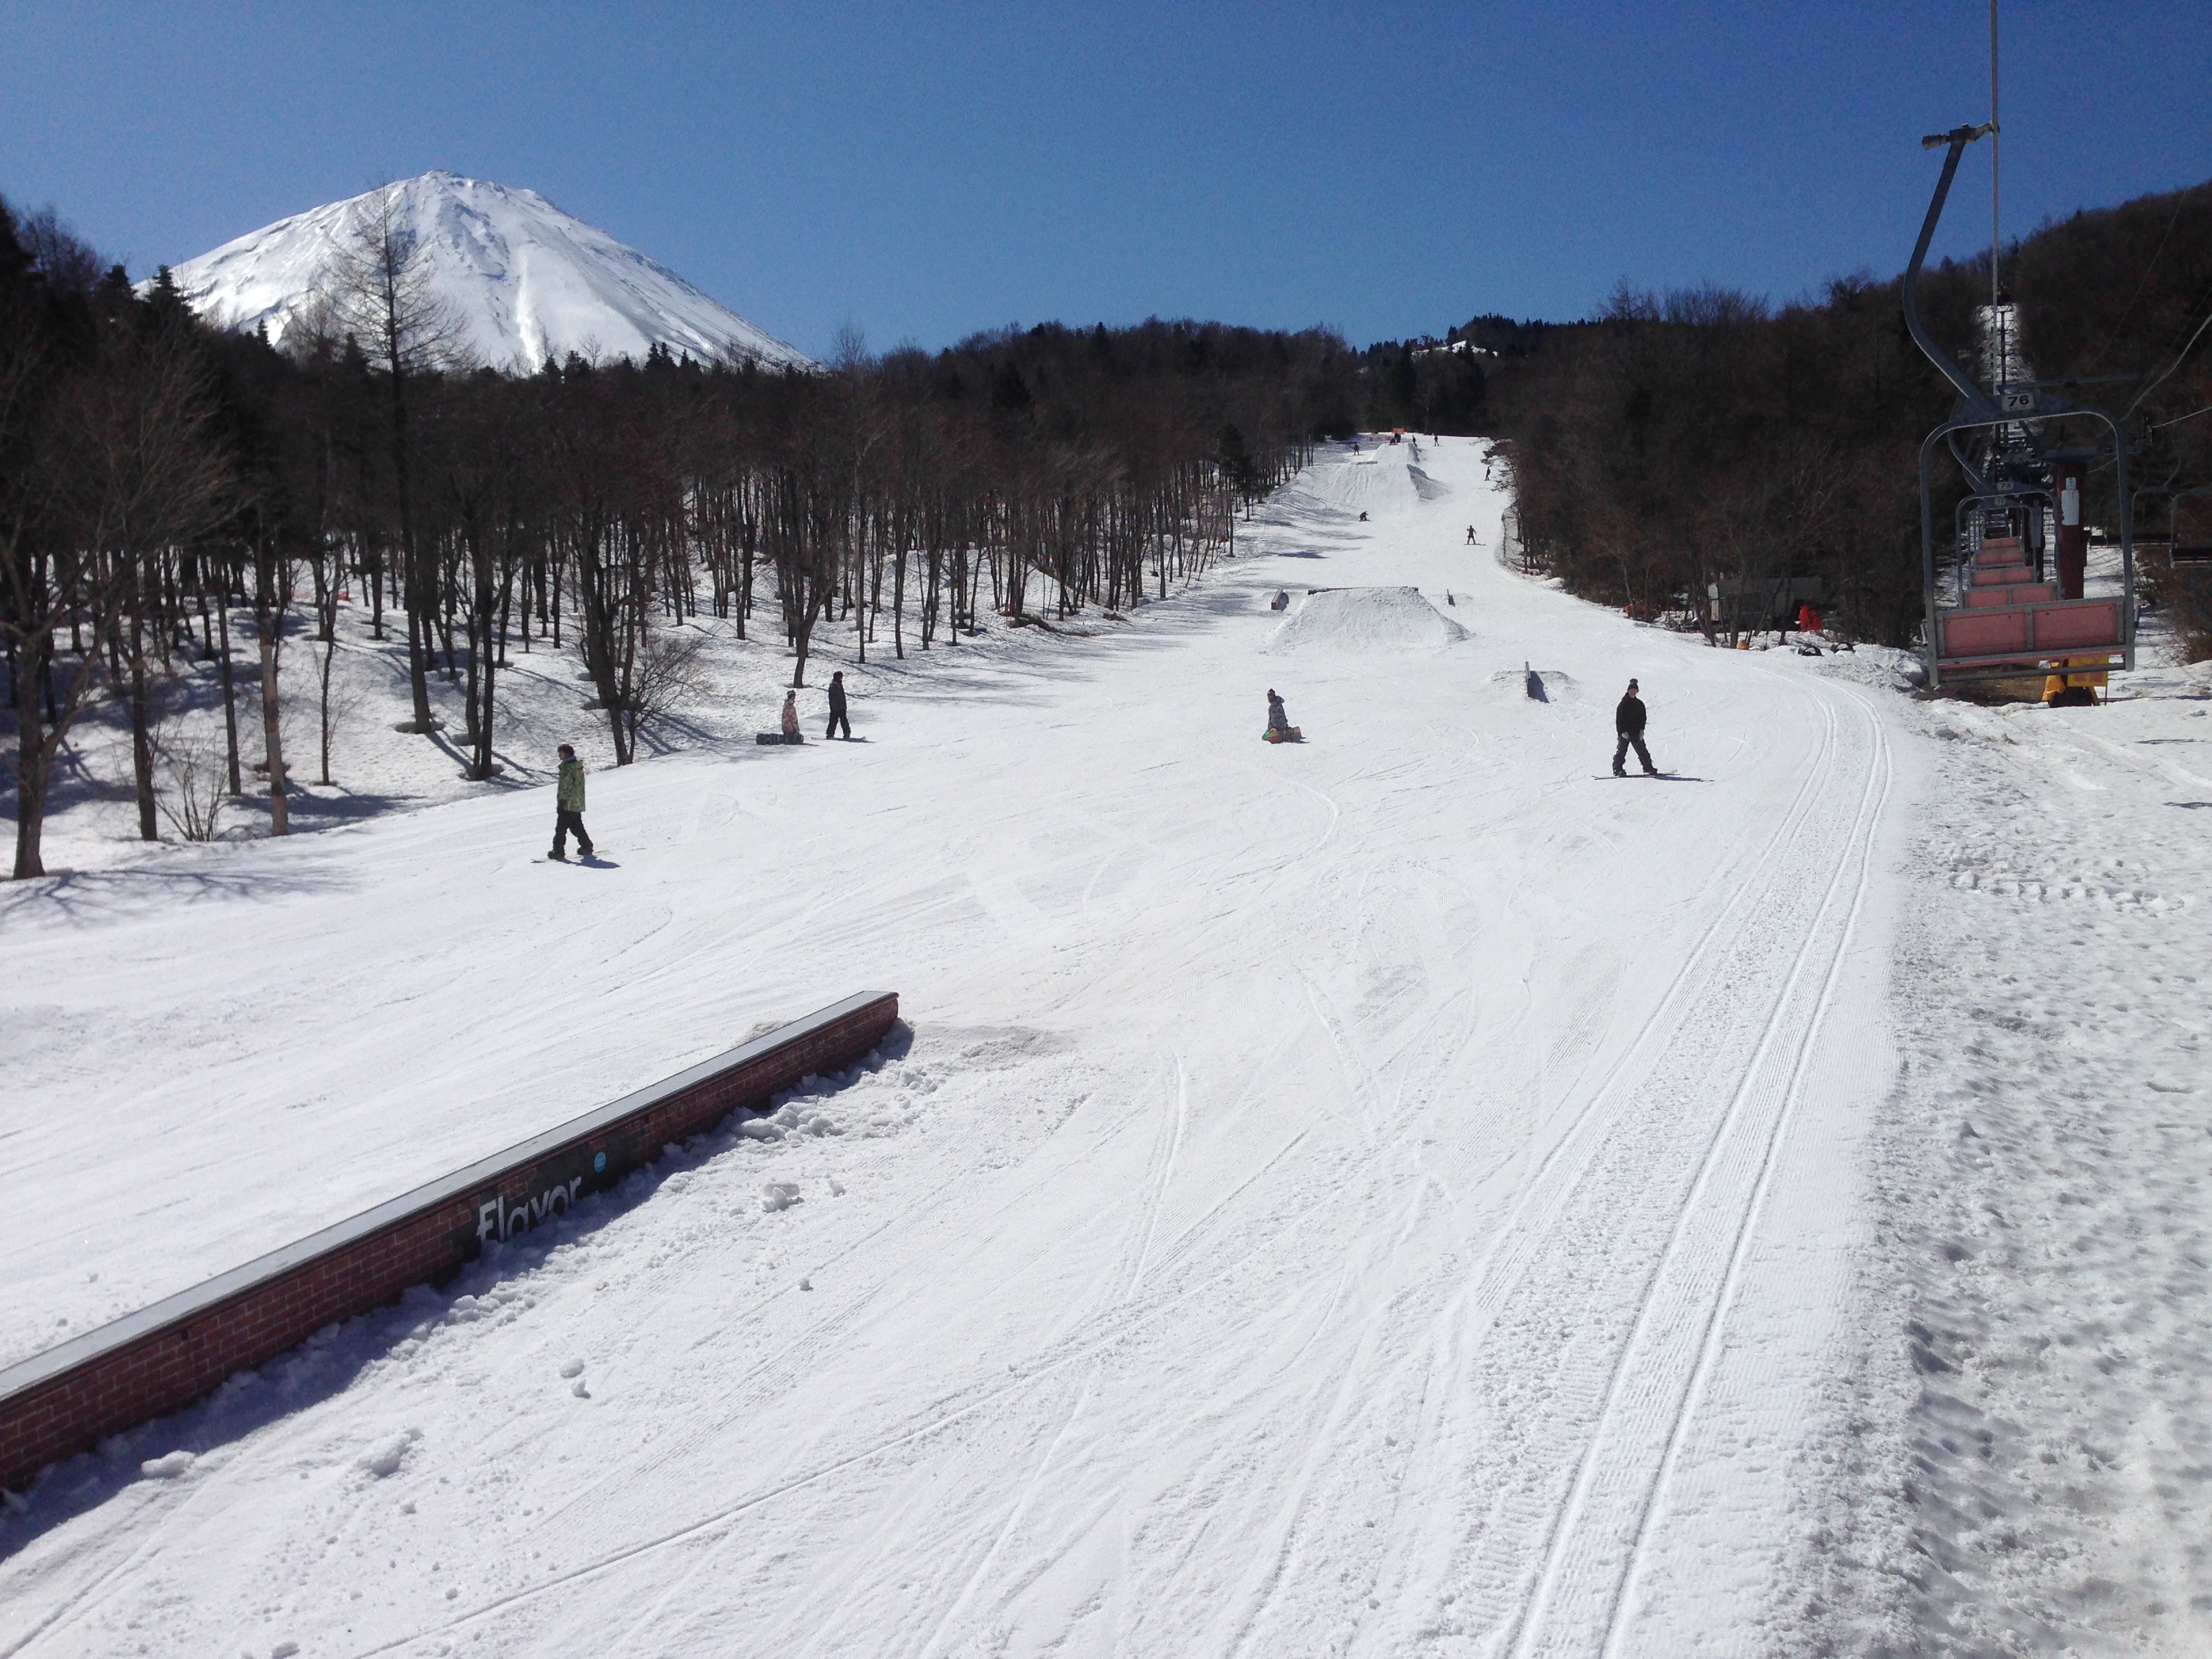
[(1395, 1194)]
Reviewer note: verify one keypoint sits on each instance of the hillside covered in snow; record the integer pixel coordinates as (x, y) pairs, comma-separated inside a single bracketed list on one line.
[(1404, 1193), (524, 280)]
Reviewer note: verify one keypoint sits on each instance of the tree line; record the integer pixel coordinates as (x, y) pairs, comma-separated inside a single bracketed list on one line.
[(1705, 438), (166, 487)]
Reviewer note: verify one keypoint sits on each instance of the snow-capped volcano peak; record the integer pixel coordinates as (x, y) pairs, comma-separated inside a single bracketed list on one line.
[(523, 280)]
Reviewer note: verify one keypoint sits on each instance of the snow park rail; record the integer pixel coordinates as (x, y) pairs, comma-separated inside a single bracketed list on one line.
[(148, 1363)]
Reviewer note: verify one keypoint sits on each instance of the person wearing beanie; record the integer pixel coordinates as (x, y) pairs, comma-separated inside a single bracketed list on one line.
[(1628, 727)]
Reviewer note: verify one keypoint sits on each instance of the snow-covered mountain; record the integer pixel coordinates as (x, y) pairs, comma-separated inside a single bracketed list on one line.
[(525, 280)]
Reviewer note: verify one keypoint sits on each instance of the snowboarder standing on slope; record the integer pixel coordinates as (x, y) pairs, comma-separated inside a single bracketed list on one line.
[(568, 807), (1628, 725), (791, 717), (837, 709)]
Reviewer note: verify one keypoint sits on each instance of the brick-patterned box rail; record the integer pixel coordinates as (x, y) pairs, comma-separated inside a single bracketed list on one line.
[(69, 1398)]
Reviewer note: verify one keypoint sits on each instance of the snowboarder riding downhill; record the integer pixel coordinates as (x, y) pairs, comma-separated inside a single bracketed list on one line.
[(568, 807), (1628, 726)]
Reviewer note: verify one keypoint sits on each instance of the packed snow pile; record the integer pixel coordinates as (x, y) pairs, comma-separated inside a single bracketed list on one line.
[(524, 280), (1535, 685), (1366, 619)]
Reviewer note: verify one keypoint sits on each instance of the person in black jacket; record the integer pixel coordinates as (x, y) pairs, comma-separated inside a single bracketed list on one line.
[(1628, 726), (837, 707)]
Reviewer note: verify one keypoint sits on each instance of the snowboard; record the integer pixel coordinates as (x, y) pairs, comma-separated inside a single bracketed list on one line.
[(1680, 777), (1294, 735)]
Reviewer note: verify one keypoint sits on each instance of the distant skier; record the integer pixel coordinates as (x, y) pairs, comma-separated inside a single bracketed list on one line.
[(1470, 535), (1628, 725), (838, 708), (568, 807), (791, 717), (1362, 518)]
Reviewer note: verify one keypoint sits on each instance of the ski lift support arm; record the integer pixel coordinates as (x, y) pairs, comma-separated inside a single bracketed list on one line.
[(1958, 138)]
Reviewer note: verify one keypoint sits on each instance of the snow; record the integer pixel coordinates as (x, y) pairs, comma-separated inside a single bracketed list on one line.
[(1366, 619), (1404, 1193), (2046, 1261), (525, 281)]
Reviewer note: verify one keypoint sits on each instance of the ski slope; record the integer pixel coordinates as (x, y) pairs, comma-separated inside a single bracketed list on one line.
[(1405, 1192)]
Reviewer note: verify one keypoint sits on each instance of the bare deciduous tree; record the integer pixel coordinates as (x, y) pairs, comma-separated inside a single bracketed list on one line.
[(387, 299)]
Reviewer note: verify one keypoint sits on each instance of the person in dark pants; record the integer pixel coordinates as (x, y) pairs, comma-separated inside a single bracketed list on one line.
[(1628, 726), (838, 708), (569, 806)]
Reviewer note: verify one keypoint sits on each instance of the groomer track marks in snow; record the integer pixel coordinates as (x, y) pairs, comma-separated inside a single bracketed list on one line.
[(1251, 1253)]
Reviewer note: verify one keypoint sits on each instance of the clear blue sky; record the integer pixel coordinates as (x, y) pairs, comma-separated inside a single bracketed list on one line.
[(929, 171)]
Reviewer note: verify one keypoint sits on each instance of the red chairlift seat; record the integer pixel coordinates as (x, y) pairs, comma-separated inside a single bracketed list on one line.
[(2007, 624), (2010, 620)]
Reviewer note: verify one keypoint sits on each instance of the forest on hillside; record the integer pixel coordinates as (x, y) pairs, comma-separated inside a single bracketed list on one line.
[(1703, 436), (172, 496), (166, 489)]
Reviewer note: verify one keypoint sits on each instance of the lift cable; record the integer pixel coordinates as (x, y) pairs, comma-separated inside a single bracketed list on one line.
[(2180, 201), (2179, 358), (2162, 425)]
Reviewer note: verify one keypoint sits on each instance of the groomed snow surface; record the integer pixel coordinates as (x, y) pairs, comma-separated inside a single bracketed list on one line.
[(1405, 1192)]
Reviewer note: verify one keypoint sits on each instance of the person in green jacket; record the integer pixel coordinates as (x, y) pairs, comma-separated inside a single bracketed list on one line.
[(568, 804)]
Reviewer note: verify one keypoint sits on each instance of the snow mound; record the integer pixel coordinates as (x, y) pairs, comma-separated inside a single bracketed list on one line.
[(1366, 620), (526, 280), (1557, 687)]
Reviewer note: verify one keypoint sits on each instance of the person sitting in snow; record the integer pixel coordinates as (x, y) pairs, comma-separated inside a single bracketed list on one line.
[(1278, 719), (791, 717)]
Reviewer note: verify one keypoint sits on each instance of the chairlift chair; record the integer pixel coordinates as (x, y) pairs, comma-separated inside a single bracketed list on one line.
[(2176, 550), (2009, 618)]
